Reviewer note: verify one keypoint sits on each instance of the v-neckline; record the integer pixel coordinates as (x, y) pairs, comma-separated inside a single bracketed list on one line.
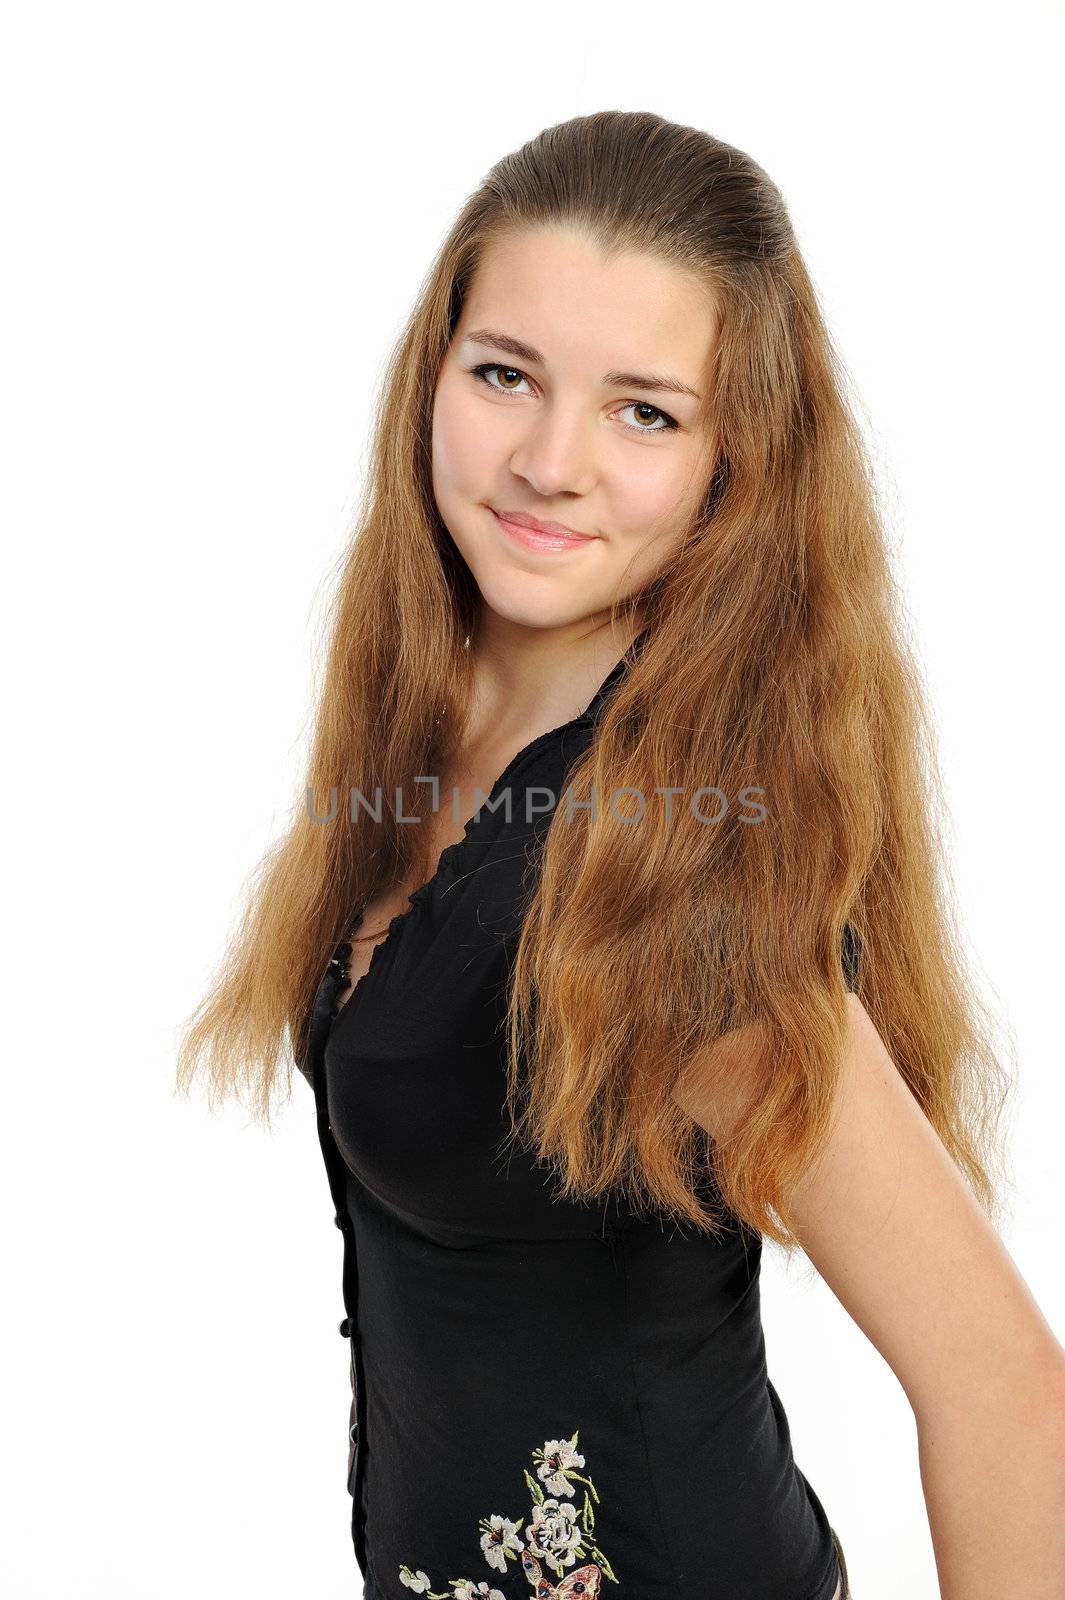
[(338, 966)]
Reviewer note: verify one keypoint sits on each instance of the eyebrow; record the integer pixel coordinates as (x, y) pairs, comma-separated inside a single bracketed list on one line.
[(629, 380)]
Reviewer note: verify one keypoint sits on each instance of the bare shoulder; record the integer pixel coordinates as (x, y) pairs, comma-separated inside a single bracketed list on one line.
[(893, 1228)]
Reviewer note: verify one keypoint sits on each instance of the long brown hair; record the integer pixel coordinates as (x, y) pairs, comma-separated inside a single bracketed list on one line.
[(777, 656)]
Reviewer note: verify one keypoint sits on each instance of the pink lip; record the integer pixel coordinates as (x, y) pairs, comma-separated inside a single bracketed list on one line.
[(536, 535)]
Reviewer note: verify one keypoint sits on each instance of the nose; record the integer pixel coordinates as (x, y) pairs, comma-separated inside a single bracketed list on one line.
[(557, 455)]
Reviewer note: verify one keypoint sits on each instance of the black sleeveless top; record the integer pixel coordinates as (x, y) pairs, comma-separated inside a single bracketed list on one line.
[(547, 1397)]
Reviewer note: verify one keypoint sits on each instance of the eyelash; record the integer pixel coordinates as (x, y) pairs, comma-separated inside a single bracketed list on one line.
[(501, 366)]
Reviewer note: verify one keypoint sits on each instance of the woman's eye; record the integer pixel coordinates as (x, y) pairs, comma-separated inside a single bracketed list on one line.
[(514, 373), (638, 427), (511, 372)]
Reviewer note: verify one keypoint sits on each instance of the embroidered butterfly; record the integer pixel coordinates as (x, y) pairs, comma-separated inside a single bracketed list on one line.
[(585, 1581)]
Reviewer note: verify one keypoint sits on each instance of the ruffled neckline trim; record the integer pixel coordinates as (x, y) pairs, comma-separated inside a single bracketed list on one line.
[(449, 863)]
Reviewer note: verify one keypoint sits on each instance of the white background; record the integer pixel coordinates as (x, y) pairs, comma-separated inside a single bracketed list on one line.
[(217, 217)]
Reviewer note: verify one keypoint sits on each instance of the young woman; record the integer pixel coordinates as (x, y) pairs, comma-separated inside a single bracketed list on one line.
[(612, 933)]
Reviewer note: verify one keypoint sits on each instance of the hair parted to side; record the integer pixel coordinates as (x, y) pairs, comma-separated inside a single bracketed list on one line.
[(777, 655)]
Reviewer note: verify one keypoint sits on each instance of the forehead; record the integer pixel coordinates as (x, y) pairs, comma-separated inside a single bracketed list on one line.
[(560, 291)]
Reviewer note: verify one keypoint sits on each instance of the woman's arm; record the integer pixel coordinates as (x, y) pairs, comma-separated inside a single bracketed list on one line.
[(888, 1221)]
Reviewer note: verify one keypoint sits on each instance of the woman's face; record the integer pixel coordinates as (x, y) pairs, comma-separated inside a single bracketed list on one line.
[(580, 415)]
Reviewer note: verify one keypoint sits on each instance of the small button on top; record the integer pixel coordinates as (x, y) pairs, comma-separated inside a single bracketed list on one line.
[(345, 1328)]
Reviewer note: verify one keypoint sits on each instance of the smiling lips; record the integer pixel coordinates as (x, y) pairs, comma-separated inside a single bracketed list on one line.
[(536, 535)]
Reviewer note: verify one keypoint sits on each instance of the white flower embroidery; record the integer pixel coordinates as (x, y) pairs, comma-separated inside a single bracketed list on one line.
[(558, 1532), (500, 1536), (554, 1533), (558, 1454)]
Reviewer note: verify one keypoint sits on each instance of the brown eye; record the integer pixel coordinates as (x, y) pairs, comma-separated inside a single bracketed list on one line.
[(651, 414), (511, 375)]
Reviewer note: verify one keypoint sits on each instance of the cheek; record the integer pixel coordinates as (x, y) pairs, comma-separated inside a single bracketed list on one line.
[(654, 504), (463, 443)]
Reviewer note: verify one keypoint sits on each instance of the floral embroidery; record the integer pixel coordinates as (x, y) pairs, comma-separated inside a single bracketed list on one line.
[(557, 1536), (419, 1581)]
